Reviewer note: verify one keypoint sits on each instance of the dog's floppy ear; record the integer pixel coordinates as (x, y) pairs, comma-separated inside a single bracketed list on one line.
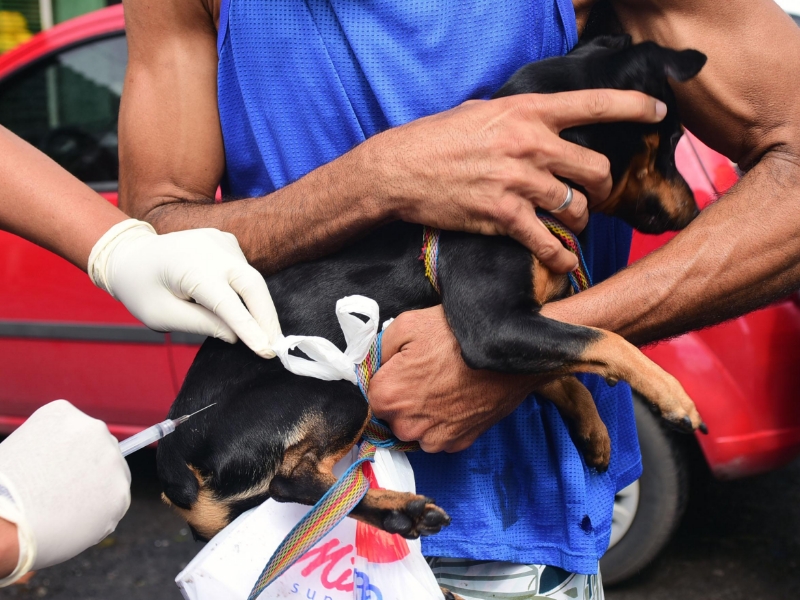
[(681, 65)]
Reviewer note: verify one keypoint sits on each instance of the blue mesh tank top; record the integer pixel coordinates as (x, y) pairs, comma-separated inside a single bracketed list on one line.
[(302, 82)]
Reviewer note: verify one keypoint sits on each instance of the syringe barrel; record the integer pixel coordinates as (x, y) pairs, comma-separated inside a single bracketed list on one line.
[(146, 437)]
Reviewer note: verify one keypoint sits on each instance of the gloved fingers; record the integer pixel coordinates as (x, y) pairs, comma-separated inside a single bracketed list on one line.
[(251, 287), (249, 284), (229, 308), (112, 459), (181, 315)]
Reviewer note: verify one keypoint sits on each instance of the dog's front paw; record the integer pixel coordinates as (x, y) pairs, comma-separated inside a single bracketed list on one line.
[(670, 402), (420, 516)]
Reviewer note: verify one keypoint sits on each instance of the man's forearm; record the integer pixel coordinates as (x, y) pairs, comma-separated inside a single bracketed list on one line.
[(739, 254), (457, 170), (307, 219)]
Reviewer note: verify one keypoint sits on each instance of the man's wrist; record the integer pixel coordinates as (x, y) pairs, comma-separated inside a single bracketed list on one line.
[(384, 188), (366, 161)]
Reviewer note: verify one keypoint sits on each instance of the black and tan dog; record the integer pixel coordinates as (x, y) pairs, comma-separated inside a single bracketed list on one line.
[(275, 434)]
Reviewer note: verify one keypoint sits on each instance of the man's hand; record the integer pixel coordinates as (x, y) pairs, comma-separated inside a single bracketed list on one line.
[(427, 394), (485, 166)]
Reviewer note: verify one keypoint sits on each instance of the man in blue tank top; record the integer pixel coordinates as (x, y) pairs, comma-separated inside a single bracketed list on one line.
[(329, 117)]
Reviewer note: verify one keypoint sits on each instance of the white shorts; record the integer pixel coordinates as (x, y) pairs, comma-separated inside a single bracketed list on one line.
[(481, 580)]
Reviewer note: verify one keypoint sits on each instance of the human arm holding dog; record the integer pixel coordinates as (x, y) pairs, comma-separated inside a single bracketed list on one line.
[(741, 252), (482, 166)]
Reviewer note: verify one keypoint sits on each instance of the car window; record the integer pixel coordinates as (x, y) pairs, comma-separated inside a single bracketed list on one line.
[(67, 106)]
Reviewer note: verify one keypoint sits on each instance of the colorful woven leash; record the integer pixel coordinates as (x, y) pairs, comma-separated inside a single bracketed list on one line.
[(334, 506), (345, 494), (580, 278), (430, 255)]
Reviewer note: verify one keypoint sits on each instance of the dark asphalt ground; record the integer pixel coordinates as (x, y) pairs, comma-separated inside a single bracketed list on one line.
[(739, 541)]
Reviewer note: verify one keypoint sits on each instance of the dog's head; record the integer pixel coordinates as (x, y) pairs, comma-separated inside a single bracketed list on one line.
[(648, 192)]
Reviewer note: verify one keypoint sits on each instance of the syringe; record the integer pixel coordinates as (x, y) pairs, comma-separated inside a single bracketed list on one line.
[(154, 433)]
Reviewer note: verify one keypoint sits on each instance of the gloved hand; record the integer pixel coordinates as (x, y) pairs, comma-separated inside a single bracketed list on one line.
[(64, 483), (156, 277)]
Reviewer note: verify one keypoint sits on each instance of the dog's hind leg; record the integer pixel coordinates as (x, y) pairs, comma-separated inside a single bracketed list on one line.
[(575, 403), (305, 479), (487, 294)]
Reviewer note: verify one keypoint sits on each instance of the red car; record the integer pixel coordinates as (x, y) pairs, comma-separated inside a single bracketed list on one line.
[(60, 337)]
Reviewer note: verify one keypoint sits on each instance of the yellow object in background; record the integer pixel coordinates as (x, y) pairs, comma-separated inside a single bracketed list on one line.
[(13, 30)]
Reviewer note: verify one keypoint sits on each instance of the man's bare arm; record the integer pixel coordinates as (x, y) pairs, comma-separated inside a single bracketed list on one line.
[(483, 166), (743, 251)]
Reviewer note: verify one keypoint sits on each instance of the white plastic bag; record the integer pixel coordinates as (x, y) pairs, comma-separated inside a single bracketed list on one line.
[(353, 562)]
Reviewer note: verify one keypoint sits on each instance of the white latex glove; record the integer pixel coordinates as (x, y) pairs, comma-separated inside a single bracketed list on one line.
[(156, 277), (64, 483)]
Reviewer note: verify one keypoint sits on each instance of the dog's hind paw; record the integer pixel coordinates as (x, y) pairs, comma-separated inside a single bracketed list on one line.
[(419, 517), (596, 448)]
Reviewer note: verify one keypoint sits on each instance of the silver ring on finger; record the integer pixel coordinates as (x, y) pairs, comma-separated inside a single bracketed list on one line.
[(567, 201)]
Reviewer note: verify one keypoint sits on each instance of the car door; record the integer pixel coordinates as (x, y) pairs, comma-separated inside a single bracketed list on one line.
[(60, 337)]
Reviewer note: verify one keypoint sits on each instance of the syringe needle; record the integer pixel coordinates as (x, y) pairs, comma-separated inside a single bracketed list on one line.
[(153, 434), (183, 419)]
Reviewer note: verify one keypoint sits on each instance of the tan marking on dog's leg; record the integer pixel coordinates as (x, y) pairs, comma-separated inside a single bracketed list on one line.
[(613, 357), (207, 515), (548, 286), (303, 475), (575, 403), (302, 450), (397, 512)]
